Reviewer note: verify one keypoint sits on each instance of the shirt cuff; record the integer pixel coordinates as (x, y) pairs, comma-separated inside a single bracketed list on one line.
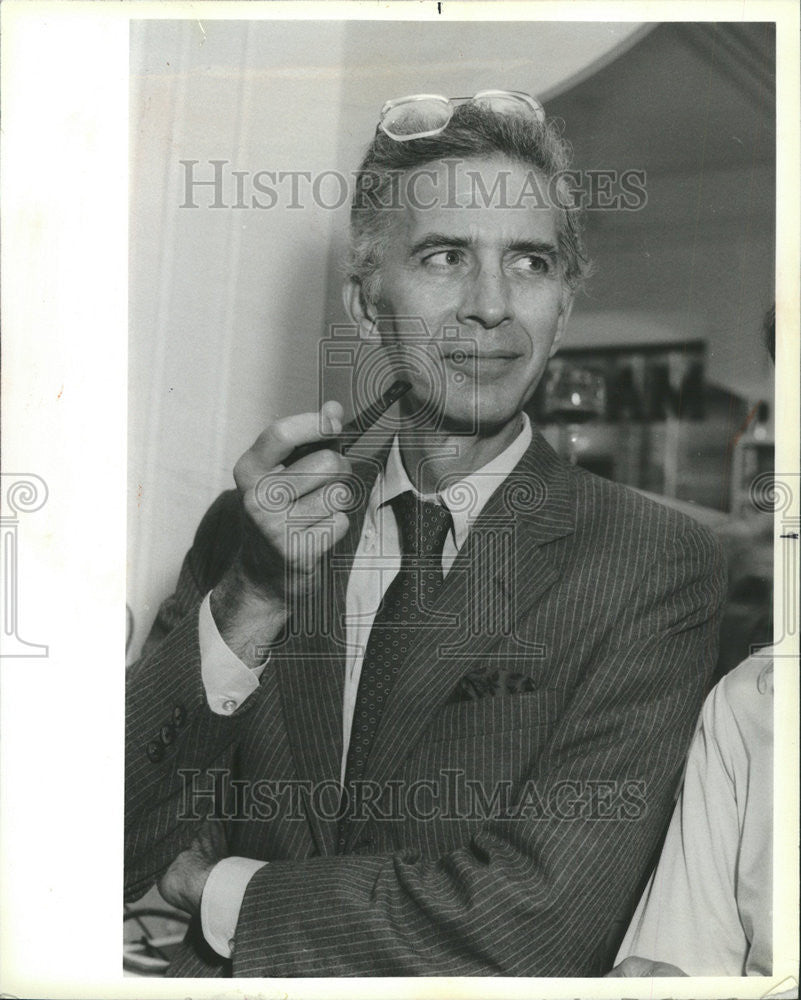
[(222, 900), (226, 679)]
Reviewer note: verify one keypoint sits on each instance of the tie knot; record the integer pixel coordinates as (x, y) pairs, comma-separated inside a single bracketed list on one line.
[(422, 526)]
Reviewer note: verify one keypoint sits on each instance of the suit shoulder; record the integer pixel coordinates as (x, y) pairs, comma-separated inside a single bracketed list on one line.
[(602, 504)]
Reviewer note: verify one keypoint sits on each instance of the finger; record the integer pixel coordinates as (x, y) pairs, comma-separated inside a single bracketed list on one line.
[(333, 497), (304, 547), (625, 968), (283, 435), (212, 839), (278, 442), (281, 498), (284, 532), (275, 492), (633, 967), (333, 414), (666, 969)]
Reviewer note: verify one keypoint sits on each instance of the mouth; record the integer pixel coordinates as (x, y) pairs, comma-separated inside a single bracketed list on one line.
[(467, 361)]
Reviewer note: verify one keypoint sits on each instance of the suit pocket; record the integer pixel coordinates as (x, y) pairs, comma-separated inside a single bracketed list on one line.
[(503, 713)]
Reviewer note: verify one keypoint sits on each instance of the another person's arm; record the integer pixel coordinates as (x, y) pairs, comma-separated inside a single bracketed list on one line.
[(707, 907)]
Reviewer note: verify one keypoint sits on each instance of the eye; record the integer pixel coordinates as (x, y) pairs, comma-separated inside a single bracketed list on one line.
[(533, 263), (444, 258)]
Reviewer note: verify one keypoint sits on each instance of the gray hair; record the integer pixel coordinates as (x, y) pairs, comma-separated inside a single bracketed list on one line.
[(472, 132)]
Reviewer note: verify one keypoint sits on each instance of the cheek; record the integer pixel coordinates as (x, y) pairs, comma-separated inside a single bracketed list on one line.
[(413, 325), (423, 304), (541, 324)]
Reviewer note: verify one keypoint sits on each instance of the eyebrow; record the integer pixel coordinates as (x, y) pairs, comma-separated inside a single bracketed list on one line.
[(432, 241)]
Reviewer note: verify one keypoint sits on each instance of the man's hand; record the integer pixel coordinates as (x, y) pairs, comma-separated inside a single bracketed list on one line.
[(183, 883), (291, 518), (634, 967), (276, 499)]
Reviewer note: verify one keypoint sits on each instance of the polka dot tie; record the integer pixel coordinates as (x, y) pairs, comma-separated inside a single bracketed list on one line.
[(405, 609)]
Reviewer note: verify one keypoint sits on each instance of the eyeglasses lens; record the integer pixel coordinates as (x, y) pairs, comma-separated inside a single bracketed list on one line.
[(416, 118), (505, 104)]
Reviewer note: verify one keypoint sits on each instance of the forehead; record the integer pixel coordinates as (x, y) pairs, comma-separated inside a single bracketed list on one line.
[(492, 199)]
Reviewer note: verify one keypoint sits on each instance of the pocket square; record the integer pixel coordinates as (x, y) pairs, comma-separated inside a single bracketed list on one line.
[(483, 684)]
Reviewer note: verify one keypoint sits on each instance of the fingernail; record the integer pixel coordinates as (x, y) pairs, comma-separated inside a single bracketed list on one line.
[(331, 425)]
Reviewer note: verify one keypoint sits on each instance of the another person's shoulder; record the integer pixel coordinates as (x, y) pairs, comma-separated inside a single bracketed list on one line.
[(744, 697), (753, 676)]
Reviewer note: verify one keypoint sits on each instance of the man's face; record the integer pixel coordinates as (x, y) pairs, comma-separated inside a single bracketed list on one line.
[(482, 274)]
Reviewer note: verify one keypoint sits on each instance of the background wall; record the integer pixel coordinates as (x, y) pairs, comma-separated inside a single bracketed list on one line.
[(228, 303), (693, 106)]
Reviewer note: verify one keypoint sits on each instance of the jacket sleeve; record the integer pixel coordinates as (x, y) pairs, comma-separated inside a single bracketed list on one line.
[(171, 734), (532, 893)]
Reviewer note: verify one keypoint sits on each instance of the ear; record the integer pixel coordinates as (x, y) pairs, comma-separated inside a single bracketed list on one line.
[(356, 306), (561, 323)]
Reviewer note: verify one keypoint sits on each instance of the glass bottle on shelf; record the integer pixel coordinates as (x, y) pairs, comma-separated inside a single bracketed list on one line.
[(573, 396)]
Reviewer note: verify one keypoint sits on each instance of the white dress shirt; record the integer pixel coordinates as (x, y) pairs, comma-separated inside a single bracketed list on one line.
[(708, 906), (228, 682)]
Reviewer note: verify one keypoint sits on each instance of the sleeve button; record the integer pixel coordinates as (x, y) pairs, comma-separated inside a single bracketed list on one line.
[(179, 716), (155, 751), (167, 734)]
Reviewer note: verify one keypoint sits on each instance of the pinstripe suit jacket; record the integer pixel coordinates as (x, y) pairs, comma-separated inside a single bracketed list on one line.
[(532, 745)]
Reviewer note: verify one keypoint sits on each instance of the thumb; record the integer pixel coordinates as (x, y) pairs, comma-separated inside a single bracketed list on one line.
[(212, 841)]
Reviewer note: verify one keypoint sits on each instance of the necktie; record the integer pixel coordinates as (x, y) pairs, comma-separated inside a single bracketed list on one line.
[(423, 528)]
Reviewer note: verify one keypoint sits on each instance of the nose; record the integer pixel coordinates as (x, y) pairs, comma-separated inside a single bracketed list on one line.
[(486, 301)]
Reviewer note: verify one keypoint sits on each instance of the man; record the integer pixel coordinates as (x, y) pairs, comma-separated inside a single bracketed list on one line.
[(478, 668)]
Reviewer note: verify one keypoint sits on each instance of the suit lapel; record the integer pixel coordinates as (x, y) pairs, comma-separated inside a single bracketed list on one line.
[(311, 668), (503, 568)]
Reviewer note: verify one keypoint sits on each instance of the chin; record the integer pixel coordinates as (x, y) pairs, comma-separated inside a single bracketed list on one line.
[(485, 420), (466, 411)]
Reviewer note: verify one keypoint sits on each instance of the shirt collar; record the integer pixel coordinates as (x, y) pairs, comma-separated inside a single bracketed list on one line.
[(481, 484)]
